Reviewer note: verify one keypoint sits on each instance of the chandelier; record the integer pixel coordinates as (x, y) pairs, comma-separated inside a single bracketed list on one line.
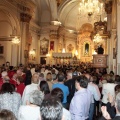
[(15, 40), (97, 38), (90, 7)]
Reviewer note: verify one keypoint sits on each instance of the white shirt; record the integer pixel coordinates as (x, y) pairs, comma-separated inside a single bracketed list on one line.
[(29, 113), (108, 88), (66, 114), (26, 93), (94, 91)]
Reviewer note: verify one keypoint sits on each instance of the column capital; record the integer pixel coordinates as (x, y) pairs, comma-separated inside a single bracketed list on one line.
[(25, 17)]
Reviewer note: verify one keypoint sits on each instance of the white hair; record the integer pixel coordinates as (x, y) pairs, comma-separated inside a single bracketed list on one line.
[(36, 97), (4, 73)]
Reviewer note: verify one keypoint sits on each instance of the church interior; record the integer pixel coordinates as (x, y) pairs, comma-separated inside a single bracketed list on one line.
[(59, 32)]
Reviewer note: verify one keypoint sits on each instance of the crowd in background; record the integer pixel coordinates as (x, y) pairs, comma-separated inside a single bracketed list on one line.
[(59, 92)]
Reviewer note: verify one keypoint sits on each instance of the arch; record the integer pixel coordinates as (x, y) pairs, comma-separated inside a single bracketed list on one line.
[(12, 16)]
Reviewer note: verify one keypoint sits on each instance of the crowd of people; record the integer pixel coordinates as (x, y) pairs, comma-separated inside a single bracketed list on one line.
[(59, 92)]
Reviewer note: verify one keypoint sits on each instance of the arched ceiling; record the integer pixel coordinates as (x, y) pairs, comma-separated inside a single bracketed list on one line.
[(68, 15)]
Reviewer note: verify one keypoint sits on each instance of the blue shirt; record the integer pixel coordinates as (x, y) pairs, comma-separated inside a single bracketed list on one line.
[(64, 89), (80, 105)]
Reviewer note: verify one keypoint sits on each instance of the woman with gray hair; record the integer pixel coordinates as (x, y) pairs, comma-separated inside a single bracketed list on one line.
[(31, 111)]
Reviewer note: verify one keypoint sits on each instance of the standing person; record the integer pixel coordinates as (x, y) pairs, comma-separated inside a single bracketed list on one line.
[(58, 94), (108, 88), (51, 109), (70, 83), (31, 111), (106, 115), (3, 74), (45, 89), (13, 80), (64, 88), (28, 76), (9, 99), (7, 115), (29, 88), (93, 88), (80, 104), (49, 80), (20, 85)]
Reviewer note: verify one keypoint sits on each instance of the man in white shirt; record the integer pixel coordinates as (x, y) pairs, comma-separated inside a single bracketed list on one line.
[(93, 88), (29, 88)]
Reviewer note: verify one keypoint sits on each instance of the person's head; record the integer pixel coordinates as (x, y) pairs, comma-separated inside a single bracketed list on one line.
[(117, 78), (19, 72), (4, 73), (69, 75), (93, 79), (36, 97), (51, 110), (41, 75), (57, 93), (111, 73), (44, 87), (14, 76), (20, 80), (49, 76), (54, 76), (7, 115), (81, 82), (35, 78), (74, 74), (7, 88), (97, 70), (53, 71), (88, 76), (6, 79), (60, 77), (117, 89), (117, 103), (109, 78)]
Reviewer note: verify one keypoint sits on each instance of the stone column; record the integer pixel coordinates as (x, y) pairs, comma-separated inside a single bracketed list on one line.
[(118, 39), (24, 50), (108, 9)]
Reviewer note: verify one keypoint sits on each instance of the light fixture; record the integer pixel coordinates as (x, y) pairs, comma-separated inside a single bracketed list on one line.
[(32, 52), (94, 53), (15, 40), (76, 52), (63, 50), (90, 7), (97, 38), (48, 55)]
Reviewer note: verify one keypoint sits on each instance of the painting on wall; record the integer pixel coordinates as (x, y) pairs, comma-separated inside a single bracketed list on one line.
[(44, 45), (70, 48)]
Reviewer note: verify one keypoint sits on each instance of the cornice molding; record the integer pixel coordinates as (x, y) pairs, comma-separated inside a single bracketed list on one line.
[(23, 5)]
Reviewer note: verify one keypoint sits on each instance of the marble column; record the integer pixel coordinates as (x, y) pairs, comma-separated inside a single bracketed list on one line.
[(118, 39), (25, 21), (108, 9)]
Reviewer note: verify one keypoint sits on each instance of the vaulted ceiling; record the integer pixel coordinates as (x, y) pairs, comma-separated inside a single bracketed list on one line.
[(67, 13)]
